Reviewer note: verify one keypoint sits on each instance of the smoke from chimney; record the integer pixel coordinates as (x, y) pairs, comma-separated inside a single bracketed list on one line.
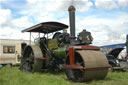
[(80, 5)]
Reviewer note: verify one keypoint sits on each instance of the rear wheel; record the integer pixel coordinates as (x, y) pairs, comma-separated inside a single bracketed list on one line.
[(30, 62)]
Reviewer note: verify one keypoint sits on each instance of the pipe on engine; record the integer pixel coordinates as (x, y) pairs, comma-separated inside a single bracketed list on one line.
[(71, 10), (127, 44)]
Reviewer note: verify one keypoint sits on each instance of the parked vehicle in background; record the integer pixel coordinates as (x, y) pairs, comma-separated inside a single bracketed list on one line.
[(118, 57), (11, 51)]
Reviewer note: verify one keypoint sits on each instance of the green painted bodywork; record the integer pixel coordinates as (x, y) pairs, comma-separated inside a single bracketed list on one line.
[(60, 52), (53, 44)]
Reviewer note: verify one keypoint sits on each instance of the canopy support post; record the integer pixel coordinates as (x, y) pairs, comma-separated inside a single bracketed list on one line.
[(39, 34), (30, 39)]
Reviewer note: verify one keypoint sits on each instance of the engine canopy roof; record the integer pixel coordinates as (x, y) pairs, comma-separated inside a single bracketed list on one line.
[(46, 27)]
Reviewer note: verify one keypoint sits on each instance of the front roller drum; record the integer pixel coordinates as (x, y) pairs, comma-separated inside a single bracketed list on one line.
[(94, 63)]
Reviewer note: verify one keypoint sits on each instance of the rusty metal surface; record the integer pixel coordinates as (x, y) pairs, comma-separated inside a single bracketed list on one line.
[(46, 27), (87, 47), (37, 51), (37, 66), (93, 59)]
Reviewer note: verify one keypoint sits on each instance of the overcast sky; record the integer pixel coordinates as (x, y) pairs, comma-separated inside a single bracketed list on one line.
[(107, 20)]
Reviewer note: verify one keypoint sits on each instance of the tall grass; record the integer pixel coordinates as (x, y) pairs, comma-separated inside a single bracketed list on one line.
[(13, 76)]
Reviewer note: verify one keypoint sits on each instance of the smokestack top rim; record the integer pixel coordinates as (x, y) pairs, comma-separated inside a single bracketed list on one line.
[(71, 8)]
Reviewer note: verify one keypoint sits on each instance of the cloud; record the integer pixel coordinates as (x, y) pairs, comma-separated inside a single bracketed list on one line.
[(9, 27), (111, 4), (6, 20), (62, 5), (5, 15), (3, 1), (123, 3), (53, 10), (9, 33), (106, 4), (32, 1), (46, 6), (22, 22)]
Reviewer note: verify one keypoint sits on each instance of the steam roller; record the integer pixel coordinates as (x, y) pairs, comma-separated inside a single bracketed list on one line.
[(63, 51)]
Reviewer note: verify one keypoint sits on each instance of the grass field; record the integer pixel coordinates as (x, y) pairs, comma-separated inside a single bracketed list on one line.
[(13, 76)]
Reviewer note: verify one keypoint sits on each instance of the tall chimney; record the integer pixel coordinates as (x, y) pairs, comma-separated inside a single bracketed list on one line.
[(71, 10), (127, 44)]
